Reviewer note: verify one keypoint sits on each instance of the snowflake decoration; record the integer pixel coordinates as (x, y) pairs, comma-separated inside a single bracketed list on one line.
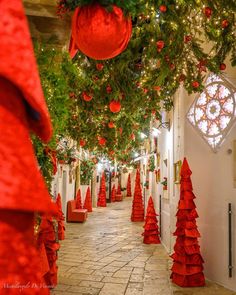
[(213, 112)]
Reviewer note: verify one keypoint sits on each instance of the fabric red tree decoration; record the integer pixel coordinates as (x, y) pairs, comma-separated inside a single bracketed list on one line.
[(60, 219), (129, 193), (88, 201), (102, 193), (22, 188), (151, 230), (98, 33), (187, 269), (78, 201), (137, 207), (113, 193), (47, 233), (118, 194)]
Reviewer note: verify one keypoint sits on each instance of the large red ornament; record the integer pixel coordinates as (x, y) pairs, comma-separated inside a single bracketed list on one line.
[(115, 106), (99, 33)]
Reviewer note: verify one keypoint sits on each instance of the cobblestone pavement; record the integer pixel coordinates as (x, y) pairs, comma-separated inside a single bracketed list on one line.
[(106, 256)]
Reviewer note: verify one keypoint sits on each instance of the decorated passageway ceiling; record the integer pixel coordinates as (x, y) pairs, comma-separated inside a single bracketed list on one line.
[(173, 42)]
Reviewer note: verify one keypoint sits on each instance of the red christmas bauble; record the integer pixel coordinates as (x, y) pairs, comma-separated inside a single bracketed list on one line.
[(207, 11), (132, 136), (225, 23), (195, 84), (86, 97), (182, 77), (99, 33), (102, 141), (111, 125), (115, 106), (222, 67), (99, 66), (160, 45), (187, 38), (163, 8), (120, 130), (108, 88), (82, 142)]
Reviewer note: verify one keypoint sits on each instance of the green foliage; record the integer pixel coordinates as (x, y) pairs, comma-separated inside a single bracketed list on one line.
[(143, 78), (152, 163), (56, 92), (86, 171), (131, 7)]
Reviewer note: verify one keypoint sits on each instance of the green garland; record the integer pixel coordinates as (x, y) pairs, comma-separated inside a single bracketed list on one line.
[(165, 52), (86, 171), (152, 164), (131, 7)]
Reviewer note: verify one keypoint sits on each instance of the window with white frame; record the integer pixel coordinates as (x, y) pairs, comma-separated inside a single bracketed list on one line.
[(213, 112)]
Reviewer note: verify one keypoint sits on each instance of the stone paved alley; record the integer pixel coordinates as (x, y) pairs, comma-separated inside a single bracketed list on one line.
[(106, 256)]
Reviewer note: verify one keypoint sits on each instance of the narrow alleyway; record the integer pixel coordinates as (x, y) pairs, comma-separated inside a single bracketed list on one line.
[(106, 256)]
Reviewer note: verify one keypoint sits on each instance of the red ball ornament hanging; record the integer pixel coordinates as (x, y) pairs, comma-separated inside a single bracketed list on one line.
[(225, 23), (99, 66), (207, 11), (222, 67), (99, 33), (160, 45), (108, 89), (163, 8), (187, 39), (111, 125), (132, 136), (121, 130), (195, 84), (86, 97), (102, 141), (82, 142), (115, 106)]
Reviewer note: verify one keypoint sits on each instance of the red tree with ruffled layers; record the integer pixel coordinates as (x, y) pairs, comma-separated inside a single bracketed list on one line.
[(48, 237), (88, 201), (118, 194), (78, 201), (137, 208), (187, 269), (60, 219), (129, 193), (113, 193), (151, 230), (102, 193)]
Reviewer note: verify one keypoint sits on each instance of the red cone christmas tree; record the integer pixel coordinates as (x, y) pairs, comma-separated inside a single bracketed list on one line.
[(118, 194), (113, 193), (129, 193), (187, 269), (102, 193), (137, 208), (47, 234), (60, 219), (151, 230), (78, 200), (88, 201)]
